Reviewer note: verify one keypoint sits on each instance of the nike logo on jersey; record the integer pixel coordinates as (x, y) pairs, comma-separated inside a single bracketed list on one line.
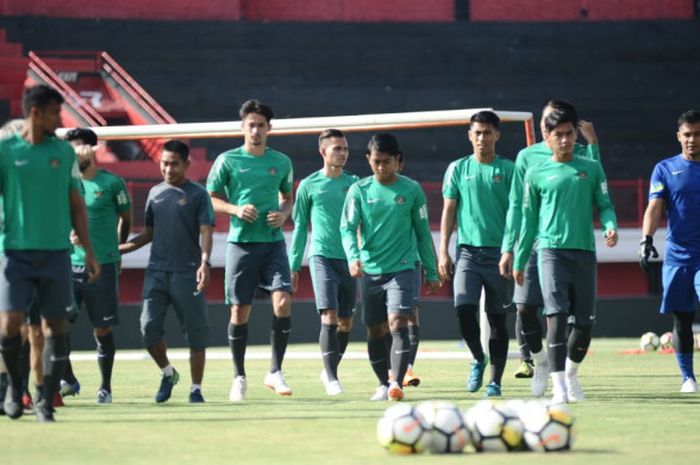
[(372, 200), (323, 192), (470, 177), (21, 162), (675, 173), (286, 331), (243, 170), (107, 318), (549, 178)]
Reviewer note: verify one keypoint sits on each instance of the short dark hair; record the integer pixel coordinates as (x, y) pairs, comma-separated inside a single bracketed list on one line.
[(688, 117), (39, 96), (561, 105), (328, 133), (558, 117), (486, 117), (84, 134), (254, 106), (385, 143), (178, 147)]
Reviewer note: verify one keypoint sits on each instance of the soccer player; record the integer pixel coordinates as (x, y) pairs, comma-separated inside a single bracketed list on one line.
[(40, 188), (386, 210), (559, 196), (109, 223), (179, 220), (528, 297), (675, 190), (319, 201), (475, 192), (257, 181)]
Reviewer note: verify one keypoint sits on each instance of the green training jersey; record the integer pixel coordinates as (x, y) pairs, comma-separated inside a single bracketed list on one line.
[(526, 159), (249, 179), (387, 217), (558, 206), (35, 183), (481, 191), (319, 200), (106, 197)]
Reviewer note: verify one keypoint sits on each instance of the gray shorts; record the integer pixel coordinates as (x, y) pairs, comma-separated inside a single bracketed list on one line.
[(568, 280), (530, 293), (418, 283), (101, 298), (39, 278), (477, 268), (162, 288), (381, 294), (334, 288), (250, 266)]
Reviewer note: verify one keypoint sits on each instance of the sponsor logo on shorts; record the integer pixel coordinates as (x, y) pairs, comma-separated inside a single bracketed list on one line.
[(272, 171), (182, 201), (55, 163), (582, 174), (400, 199)]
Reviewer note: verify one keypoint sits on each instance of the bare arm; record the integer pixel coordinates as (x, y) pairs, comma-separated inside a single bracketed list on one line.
[(206, 241), (78, 216), (447, 224), (138, 241), (652, 216), (247, 212), (124, 227), (277, 219)]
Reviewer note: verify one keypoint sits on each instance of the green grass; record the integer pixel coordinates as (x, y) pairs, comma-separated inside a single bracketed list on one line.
[(633, 414)]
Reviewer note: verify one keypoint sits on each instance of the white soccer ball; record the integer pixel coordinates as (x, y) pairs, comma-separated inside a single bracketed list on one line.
[(449, 433), (649, 341), (548, 427), (403, 430), (494, 427), (666, 340)]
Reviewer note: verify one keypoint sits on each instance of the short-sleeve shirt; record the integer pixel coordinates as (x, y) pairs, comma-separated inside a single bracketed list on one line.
[(481, 190), (106, 196), (35, 183), (175, 213), (319, 201), (677, 181), (249, 179)]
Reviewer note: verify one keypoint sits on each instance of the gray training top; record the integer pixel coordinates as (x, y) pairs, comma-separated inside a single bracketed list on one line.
[(175, 213)]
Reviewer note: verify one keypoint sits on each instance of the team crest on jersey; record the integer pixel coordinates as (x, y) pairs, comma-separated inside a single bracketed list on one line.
[(182, 201), (497, 178), (272, 171), (400, 199), (55, 163), (98, 194), (582, 174), (346, 189)]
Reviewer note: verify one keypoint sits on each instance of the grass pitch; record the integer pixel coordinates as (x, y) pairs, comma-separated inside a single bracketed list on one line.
[(633, 414)]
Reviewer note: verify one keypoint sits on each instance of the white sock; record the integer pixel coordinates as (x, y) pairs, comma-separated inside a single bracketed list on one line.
[(571, 368), (540, 357), (168, 370), (195, 387), (558, 382)]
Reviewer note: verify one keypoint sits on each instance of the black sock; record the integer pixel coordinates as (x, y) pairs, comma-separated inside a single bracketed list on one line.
[(25, 365), (55, 357), (400, 353), (105, 359), (531, 329), (376, 349), (498, 345), (343, 340), (469, 328), (69, 376), (522, 343), (238, 341), (387, 343), (328, 340), (38, 393), (556, 341), (279, 336), (683, 341), (579, 341), (414, 338), (11, 347)]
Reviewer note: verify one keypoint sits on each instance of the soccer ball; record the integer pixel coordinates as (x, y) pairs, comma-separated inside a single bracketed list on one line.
[(494, 427), (403, 430), (666, 340), (449, 433), (649, 341), (548, 427)]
